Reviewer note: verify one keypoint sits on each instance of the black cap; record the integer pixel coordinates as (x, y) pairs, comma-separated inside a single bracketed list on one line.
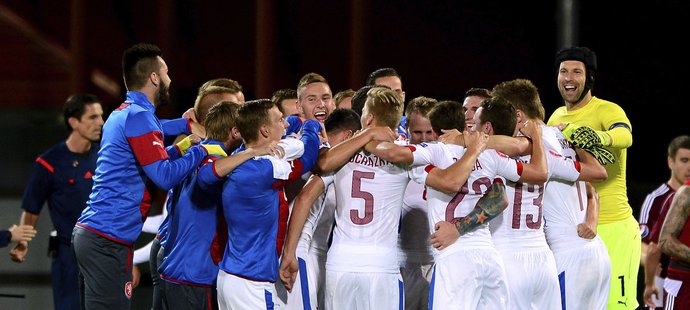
[(583, 54)]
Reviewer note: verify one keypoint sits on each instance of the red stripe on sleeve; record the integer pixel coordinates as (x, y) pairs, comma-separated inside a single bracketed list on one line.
[(45, 164), (411, 147), (577, 165), (428, 168), (519, 167), (148, 148)]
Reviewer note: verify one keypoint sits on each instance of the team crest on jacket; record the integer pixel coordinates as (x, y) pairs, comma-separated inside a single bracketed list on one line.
[(128, 289)]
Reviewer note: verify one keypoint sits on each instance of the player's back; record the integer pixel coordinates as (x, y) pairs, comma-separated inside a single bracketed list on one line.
[(445, 207), (414, 227), (521, 224), (369, 192)]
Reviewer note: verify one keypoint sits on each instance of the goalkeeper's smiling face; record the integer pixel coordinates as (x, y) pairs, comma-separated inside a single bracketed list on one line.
[(572, 76)]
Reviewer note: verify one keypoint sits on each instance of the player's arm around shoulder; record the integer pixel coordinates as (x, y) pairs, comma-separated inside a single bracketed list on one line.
[(450, 180), (590, 168), (536, 171), (339, 154), (391, 152)]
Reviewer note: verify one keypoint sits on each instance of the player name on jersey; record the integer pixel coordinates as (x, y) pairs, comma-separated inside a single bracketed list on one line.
[(371, 161)]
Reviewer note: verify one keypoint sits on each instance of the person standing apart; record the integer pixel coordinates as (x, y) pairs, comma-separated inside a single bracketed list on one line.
[(63, 177)]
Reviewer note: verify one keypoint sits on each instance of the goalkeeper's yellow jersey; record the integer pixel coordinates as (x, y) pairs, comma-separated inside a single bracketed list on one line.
[(600, 115)]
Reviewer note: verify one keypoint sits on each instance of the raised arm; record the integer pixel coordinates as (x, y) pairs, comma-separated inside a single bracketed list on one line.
[(590, 169), (226, 165), (536, 170), (451, 179), (311, 140), (512, 146), (391, 152), (488, 207), (341, 153), (220, 168)]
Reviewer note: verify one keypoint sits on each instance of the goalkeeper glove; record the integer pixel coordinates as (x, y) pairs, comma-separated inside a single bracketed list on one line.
[(585, 137), (602, 155)]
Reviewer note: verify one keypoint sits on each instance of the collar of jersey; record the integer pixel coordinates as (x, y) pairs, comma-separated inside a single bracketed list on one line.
[(139, 98)]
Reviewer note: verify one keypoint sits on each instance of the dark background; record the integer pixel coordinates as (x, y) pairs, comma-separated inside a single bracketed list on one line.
[(49, 49)]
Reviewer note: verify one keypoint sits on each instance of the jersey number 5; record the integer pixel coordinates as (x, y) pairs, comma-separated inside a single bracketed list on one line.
[(357, 192)]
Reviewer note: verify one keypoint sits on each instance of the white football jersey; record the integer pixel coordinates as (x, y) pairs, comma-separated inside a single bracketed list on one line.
[(565, 198), (317, 227), (414, 241), (369, 193), (521, 225), (444, 207)]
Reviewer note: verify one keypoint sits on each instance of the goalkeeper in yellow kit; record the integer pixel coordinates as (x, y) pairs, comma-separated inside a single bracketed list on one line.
[(602, 127)]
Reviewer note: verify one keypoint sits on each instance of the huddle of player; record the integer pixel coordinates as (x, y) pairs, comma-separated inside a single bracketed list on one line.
[(498, 215)]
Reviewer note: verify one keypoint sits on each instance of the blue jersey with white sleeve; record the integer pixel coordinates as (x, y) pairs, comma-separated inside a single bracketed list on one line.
[(250, 206)]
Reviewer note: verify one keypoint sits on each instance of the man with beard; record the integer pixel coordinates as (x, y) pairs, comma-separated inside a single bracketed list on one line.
[(132, 152)]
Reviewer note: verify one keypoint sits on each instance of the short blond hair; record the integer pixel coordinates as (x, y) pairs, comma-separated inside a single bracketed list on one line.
[(386, 105), (220, 119)]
